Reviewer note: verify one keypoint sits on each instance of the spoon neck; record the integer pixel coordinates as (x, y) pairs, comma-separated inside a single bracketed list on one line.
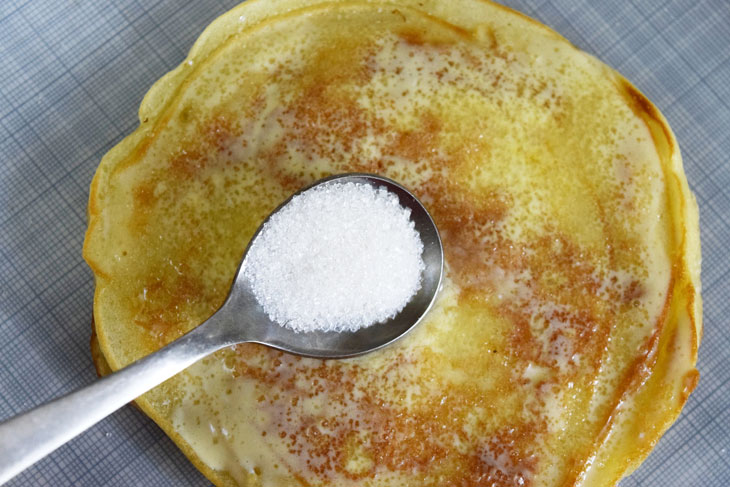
[(208, 337)]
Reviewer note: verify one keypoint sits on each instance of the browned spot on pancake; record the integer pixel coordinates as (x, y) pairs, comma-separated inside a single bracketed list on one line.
[(162, 299), (436, 38), (493, 43), (333, 65), (321, 115), (467, 224), (689, 382), (218, 132), (321, 123), (397, 12), (633, 292), (258, 362), (420, 38), (412, 37), (647, 111), (692, 296), (275, 165), (169, 301), (418, 144), (144, 195), (187, 162), (209, 147), (506, 457), (488, 38), (144, 199)]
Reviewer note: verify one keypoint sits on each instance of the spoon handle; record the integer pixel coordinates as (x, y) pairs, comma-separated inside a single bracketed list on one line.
[(27, 438)]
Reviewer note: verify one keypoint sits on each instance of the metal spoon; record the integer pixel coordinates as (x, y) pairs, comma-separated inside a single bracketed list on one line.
[(29, 437)]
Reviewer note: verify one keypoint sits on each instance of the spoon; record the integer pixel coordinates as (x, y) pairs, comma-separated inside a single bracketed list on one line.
[(27, 438)]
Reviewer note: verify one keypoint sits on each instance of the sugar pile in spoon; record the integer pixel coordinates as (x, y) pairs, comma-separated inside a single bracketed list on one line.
[(337, 257)]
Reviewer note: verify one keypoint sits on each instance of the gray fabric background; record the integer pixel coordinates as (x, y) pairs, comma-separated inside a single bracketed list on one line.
[(72, 75)]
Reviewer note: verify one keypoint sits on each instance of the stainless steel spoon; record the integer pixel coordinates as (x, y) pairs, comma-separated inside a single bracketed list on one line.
[(29, 437)]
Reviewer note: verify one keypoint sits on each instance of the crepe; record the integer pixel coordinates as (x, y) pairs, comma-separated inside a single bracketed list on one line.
[(564, 341)]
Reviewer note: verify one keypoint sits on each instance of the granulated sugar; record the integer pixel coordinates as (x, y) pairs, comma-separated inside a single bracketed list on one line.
[(340, 256)]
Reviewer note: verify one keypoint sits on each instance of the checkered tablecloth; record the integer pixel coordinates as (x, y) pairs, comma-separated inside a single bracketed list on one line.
[(72, 75)]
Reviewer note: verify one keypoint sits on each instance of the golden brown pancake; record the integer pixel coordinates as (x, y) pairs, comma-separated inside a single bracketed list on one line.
[(564, 341)]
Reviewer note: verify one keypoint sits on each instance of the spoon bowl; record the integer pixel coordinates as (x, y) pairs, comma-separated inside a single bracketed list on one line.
[(241, 301), (27, 438)]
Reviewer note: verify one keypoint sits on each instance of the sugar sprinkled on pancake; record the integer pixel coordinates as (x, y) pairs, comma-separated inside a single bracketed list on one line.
[(564, 341)]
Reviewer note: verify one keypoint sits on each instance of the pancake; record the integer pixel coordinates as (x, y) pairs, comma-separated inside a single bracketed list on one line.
[(564, 341)]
